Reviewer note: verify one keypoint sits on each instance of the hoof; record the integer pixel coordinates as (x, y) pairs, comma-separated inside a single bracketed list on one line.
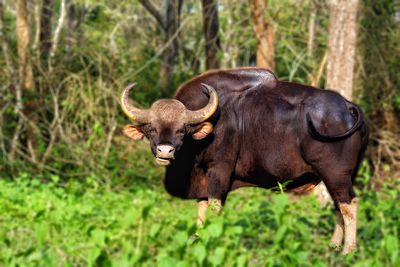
[(348, 250), (336, 243), (335, 246)]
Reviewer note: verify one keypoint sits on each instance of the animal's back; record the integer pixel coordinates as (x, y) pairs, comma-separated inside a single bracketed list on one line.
[(228, 83)]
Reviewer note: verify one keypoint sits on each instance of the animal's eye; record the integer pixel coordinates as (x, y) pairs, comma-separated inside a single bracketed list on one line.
[(152, 130)]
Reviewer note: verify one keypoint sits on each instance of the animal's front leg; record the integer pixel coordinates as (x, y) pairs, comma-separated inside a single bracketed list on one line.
[(218, 183), (202, 206), (217, 188), (214, 204)]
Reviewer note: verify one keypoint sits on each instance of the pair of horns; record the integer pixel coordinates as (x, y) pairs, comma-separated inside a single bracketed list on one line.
[(192, 117)]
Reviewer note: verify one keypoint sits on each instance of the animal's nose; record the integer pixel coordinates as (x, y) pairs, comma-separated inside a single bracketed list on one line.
[(165, 151)]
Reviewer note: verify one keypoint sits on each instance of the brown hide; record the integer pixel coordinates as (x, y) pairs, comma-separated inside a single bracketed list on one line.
[(261, 137)]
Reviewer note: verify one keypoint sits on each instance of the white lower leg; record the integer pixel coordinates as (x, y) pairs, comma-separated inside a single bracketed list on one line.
[(349, 212), (201, 212), (337, 237)]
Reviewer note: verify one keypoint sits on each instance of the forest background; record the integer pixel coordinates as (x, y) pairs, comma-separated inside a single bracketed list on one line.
[(74, 191)]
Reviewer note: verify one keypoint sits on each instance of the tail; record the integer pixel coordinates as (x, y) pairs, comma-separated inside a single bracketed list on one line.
[(326, 138)]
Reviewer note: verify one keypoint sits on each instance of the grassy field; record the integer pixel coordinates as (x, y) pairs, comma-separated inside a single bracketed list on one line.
[(50, 223)]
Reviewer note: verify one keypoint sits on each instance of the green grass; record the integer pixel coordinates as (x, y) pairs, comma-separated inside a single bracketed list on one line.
[(82, 224)]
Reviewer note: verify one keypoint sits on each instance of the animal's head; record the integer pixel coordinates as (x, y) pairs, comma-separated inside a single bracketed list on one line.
[(167, 122)]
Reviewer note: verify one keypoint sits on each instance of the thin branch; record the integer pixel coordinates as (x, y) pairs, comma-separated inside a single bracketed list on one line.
[(110, 136), (315, 79), (156, 14), (18, 109), (57, 32), (129, 75), (14, 142), (311, 32), (37, 14)]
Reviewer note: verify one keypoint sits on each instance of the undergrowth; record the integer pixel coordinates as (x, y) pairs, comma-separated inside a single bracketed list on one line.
[(83, 223)]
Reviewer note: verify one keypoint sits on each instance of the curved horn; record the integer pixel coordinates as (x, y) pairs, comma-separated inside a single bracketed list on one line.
[(135, 114), (203, 114)]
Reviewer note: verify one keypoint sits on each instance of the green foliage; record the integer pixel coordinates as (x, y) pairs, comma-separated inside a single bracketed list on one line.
[(83, 224), (379, 45)]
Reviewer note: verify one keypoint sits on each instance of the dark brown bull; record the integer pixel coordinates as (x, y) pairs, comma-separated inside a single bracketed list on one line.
[(251, 129)]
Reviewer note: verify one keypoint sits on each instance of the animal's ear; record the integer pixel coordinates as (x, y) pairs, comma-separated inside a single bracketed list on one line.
[(202, 131), (133, 132)]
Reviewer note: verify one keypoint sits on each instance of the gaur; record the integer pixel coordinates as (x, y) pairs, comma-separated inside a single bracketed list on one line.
[(227, 129)]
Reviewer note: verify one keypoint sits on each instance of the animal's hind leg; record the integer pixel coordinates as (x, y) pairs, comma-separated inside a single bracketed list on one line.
[(349, 212), (336, 164), (340, 187)]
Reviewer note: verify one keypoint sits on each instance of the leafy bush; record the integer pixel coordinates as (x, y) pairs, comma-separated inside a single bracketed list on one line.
[(84, 224)]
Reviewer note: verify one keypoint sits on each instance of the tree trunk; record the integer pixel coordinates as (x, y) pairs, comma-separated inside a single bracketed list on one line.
[(5, 44), (210, 28), (24, 47), (341, 51), (45, 28), (342, 46), (170, 24), (11, 81), (26, 81), (172, 19), (265, 34)]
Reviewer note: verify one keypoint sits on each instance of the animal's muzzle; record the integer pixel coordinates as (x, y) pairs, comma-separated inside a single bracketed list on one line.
[(165, 153)]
